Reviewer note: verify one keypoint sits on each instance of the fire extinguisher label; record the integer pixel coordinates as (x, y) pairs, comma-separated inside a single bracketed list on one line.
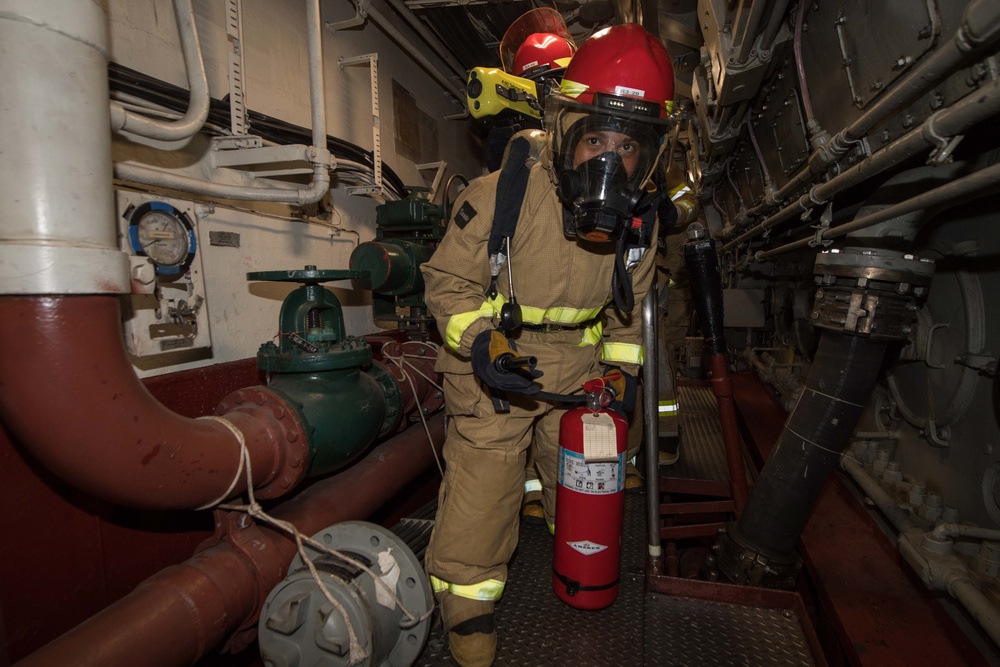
[(596, 479), (586, 547)]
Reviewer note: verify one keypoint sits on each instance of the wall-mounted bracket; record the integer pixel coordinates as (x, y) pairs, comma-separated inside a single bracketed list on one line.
[(371, 59)]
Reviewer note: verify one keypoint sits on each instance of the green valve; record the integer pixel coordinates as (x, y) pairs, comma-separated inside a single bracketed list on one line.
[(345, 399)]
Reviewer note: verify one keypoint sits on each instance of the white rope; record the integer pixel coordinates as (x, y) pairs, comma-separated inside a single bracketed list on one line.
[(402, 363), (243, 448), (357, 652)]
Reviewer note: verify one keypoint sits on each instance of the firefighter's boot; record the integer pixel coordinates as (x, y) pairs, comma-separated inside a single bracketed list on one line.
[(532, 510), (633, 479), (472, 635)]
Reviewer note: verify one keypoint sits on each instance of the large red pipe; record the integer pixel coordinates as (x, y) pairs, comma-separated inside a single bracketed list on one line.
[(180, 614), (722, 388), (69, 395)]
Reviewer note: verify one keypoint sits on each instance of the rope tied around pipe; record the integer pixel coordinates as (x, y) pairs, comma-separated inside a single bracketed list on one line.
[(357, 652)]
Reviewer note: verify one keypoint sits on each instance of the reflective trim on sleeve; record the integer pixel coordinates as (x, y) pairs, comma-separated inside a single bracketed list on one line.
[(459, 322), (489, 590), (622, 353), (679, 191)]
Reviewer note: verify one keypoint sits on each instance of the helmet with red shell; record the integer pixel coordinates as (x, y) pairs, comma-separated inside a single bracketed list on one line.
[(623, 62), (542, 54), (618, 85)]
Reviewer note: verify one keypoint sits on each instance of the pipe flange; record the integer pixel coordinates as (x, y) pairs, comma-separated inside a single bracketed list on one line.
[(393, 399), (906, 270), (285, 422), (299, 626), (418, 385), (741, 563), (870, 293)]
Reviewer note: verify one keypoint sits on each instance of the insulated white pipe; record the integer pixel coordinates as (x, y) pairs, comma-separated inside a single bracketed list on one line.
[(314, 29), (306, 195), (194, 118), (319, 153), (56, 230)]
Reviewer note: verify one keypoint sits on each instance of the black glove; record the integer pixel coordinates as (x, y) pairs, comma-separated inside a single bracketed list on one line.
[(495, 361), (624, 385)]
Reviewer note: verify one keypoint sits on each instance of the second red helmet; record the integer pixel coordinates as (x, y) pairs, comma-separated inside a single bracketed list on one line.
[(542, 53)]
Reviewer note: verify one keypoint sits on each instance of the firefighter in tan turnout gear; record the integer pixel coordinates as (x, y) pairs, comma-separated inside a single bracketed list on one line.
[(537, 288)]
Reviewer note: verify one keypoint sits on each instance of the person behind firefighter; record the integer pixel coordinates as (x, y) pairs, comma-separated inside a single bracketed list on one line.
[(536, 47), (561, 293)]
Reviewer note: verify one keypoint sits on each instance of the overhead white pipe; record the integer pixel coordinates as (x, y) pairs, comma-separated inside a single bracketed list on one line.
[(56, 226), (163, 179), (123, 119), (319, 154), (317, 92)]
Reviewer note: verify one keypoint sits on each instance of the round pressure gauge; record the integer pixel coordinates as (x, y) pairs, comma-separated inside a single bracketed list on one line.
[(164, 234)]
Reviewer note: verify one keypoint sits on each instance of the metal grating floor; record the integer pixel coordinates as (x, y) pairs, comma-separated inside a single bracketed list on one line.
[(702, 454), (535, 628)]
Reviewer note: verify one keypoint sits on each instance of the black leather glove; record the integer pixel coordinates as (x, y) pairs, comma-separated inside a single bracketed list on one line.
[(624, 387), (496, 362)]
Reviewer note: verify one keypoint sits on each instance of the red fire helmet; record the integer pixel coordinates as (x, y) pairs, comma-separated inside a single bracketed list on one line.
[(542, 52), (623, 63)]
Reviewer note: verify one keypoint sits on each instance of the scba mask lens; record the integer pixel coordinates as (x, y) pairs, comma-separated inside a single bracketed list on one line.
[(600, 195), (601, 163)]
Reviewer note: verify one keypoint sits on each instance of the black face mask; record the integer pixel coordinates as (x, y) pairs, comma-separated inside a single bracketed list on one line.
[(599, 195)]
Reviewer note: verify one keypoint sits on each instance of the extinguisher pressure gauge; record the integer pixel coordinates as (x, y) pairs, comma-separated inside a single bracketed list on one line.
[(164, 234)]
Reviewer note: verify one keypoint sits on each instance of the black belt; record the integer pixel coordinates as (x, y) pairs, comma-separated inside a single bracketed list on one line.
[(548, 326)]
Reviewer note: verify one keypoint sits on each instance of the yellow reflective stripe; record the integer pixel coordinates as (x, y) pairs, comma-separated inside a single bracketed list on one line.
[(551, 527), (593, 334), (668, 406), (554, 315), (459, 322), (489, 590), (686, 205), (559, 314), (623, 353), (532, 485), (679, 190)]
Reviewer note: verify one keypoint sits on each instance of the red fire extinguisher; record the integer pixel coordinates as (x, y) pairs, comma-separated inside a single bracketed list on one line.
[(590, 500)]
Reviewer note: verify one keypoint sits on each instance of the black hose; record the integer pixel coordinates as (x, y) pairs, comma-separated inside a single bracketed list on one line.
[(705, 278), (816, 432)]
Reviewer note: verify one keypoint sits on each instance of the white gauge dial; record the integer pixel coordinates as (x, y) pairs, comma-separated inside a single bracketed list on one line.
[(163, 238)]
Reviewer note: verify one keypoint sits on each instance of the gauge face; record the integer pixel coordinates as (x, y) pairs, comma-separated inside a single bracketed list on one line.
[(163, 238), (164, 234)]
